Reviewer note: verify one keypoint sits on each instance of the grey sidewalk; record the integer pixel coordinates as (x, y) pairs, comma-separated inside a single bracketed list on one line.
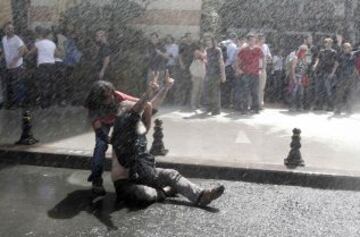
[(225, 145)]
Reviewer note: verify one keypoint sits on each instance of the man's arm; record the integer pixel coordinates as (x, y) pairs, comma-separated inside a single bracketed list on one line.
[(31, 52), (222, 67), (106, 63), (336, 65), (22, 50)]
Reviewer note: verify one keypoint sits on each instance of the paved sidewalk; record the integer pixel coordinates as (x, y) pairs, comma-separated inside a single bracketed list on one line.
[(330, 145)]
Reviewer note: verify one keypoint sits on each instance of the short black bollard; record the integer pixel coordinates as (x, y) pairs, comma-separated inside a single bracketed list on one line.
[(27, 137), (294, 158), (158, 148)]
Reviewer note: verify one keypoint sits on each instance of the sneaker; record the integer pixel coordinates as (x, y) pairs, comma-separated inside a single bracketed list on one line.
[(209, 195)]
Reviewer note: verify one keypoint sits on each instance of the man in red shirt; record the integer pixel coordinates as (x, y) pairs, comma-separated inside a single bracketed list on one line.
[(248, 70), (103, 104)]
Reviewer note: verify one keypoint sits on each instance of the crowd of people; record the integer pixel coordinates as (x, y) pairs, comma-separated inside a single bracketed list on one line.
[(36, 66), (241, 73), (238, 73)]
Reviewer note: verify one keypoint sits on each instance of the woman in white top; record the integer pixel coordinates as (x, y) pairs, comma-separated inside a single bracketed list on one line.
[(198, 71), (46, 51)]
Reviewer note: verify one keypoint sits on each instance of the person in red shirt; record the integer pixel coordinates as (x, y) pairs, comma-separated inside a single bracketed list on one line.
[(103, 104), (248, 69)]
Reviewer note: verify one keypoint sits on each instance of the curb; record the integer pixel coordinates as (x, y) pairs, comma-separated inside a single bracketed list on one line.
[(324, 179)]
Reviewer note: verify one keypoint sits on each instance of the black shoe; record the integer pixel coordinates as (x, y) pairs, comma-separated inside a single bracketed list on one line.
[(97, 187), (98, 190), (209, 195)]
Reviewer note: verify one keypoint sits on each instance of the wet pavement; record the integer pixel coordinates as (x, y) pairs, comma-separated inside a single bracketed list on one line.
[(38, 201)]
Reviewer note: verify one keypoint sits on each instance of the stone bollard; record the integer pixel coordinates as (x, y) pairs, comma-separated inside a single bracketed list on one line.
[(158, 148), (294, 158), (27, 137)]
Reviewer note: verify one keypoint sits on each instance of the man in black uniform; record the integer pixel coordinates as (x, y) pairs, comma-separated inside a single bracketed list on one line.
[(325, 68)]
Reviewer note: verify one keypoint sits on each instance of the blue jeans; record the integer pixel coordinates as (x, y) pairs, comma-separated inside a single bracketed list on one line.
[(245, 87), (98, 159), (297, 97), (324, 90)]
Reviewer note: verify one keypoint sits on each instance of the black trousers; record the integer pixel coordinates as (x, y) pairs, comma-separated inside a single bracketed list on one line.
[(46, 83)]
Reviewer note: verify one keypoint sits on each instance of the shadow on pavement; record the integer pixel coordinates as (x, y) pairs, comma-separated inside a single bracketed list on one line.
[(83, 201)]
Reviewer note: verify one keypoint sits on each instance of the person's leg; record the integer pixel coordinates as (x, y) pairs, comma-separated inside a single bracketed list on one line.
[(293, 98), (236, 94), (226, 87), (254, 90), (339, 96), (261, 88), (137, 194), (98, 159), (8, 90), (211, 94), (200, 94), (195, 92), (349, 90), (183, 186), (21, 89), (319, 92), (244, 90), (172, 178), (328, 89), (217, 97), (300, 104)]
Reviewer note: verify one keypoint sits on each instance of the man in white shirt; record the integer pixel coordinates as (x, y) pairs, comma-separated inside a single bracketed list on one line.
[(226, 88), (14, 49), (45, 50), (267, 58)]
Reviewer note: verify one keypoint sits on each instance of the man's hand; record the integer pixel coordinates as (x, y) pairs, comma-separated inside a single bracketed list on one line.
[(153, 85), (169, 82), (13, 62)]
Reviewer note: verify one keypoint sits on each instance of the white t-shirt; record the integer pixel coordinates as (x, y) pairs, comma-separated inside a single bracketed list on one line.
[(45, 51), (11, 50), (278, 62), (172, 49)]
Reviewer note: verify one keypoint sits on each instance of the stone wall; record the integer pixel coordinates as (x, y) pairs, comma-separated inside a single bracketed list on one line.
[(174, 17), (5, 11)]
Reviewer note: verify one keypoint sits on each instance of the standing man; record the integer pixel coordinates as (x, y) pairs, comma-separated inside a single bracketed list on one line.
[(157, 55), (172, 53), (45, 50), (14, 50), (263, 77), (227, 87), (103, 56), (325, 67), (186, 52), (345, 79), (248, 71), (215, 73)]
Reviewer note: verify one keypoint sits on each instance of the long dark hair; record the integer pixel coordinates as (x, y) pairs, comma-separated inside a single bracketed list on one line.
[(98, 94)]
